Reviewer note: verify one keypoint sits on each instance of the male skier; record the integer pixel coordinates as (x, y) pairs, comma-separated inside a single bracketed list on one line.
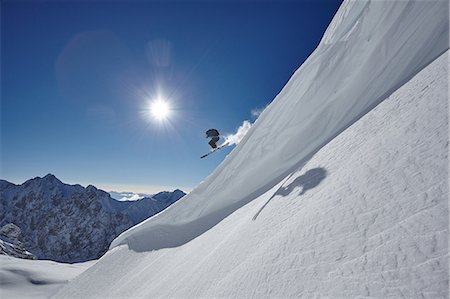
[(214, 135)]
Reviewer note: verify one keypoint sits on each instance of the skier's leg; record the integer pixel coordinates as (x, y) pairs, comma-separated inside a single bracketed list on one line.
[(213, 141)]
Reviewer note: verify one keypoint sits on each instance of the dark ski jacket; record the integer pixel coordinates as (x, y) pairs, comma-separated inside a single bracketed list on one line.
[(212, 133)]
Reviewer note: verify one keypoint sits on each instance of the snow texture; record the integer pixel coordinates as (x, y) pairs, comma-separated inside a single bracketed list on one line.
[(367, 216), (370, 50), (23, 279)]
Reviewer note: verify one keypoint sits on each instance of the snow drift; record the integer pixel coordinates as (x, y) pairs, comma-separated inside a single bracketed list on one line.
[(300, 210), (369, 50)]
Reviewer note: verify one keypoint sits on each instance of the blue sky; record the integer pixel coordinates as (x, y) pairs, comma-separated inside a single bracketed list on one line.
[(77, 80)]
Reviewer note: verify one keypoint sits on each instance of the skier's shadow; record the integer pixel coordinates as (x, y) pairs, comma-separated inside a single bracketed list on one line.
[(311, 179)]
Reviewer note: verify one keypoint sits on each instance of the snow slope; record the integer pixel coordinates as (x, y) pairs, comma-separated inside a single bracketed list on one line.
[(367, 216), (24, 279), (369, 51), (295, 211)]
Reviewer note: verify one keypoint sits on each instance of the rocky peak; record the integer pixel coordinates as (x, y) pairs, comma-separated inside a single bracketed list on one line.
[(12, 232), (69, 223), (11, 242)]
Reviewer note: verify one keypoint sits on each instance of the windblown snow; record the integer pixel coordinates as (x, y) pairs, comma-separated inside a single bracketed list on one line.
[(339, 189)]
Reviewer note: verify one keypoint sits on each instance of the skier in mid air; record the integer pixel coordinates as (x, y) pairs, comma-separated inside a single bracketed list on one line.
[(215, 136)]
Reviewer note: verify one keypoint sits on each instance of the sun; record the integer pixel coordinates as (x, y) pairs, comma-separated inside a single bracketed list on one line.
[(160, 109)]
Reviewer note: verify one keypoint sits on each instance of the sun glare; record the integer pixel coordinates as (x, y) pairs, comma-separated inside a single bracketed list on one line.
[(160, 109)]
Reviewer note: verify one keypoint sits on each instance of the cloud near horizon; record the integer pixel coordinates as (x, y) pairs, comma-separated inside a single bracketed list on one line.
[(127, 196)]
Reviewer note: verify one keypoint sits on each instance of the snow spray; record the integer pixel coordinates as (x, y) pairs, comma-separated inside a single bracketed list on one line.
[(240, 133)]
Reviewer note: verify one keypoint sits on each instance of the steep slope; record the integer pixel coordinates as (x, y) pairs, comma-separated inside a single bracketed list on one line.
[(370, 49), (70, 223), (296, 211), (366, 216)]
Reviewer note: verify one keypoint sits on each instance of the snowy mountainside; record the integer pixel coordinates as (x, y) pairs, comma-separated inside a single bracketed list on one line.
[(70, 223), (370, 49), (325, 196), (339, 190), (366, 216)]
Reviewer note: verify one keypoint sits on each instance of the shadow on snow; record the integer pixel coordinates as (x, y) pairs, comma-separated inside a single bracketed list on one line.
[(169, 236), (311, 179)]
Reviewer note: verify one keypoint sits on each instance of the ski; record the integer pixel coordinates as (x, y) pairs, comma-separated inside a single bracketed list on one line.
[(214, 150)]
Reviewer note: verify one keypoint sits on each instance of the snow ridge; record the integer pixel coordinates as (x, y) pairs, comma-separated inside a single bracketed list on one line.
[(367, 216), (339, 189), (372, 48)]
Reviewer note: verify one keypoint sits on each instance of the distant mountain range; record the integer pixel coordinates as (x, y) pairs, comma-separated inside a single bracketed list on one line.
[(68, 223)]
